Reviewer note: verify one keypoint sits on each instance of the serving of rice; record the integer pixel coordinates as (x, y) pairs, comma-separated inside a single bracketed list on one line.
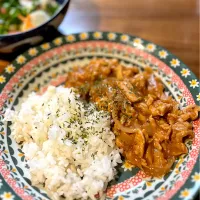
[(68, 144)]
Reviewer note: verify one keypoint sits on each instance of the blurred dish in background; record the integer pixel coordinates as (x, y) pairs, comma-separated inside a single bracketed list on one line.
[(32, 22), (22, 15)]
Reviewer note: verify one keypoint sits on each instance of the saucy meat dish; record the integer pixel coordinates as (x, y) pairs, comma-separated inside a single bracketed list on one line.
[(149, 125)]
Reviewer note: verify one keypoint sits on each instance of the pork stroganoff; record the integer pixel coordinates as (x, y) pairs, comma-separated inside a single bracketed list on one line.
[(149, 125), (72, 136)]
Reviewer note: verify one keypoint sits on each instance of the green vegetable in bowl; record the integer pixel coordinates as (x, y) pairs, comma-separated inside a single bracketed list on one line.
[(22, 15)]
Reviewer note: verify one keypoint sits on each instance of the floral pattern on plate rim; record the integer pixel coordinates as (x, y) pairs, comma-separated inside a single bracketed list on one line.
[(177, 66)]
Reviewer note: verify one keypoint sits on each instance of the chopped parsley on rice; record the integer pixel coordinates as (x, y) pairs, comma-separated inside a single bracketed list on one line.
[(67, 143)]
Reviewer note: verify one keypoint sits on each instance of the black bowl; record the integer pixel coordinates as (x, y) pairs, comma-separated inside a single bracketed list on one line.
[(13, 44)]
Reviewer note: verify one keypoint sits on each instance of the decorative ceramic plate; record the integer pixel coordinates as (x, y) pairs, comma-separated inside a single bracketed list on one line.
[(48, 64)]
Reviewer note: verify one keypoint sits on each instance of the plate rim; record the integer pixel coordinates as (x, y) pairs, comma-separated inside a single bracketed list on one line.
[(100, 35)]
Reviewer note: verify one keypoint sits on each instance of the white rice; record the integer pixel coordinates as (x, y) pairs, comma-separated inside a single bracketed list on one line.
[(67, 143)]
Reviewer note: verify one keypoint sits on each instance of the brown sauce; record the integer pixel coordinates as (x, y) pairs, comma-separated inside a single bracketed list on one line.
[(148, 124)]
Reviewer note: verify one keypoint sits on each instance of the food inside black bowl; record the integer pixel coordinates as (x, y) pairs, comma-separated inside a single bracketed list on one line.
[(24, 23), (23, 15)]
